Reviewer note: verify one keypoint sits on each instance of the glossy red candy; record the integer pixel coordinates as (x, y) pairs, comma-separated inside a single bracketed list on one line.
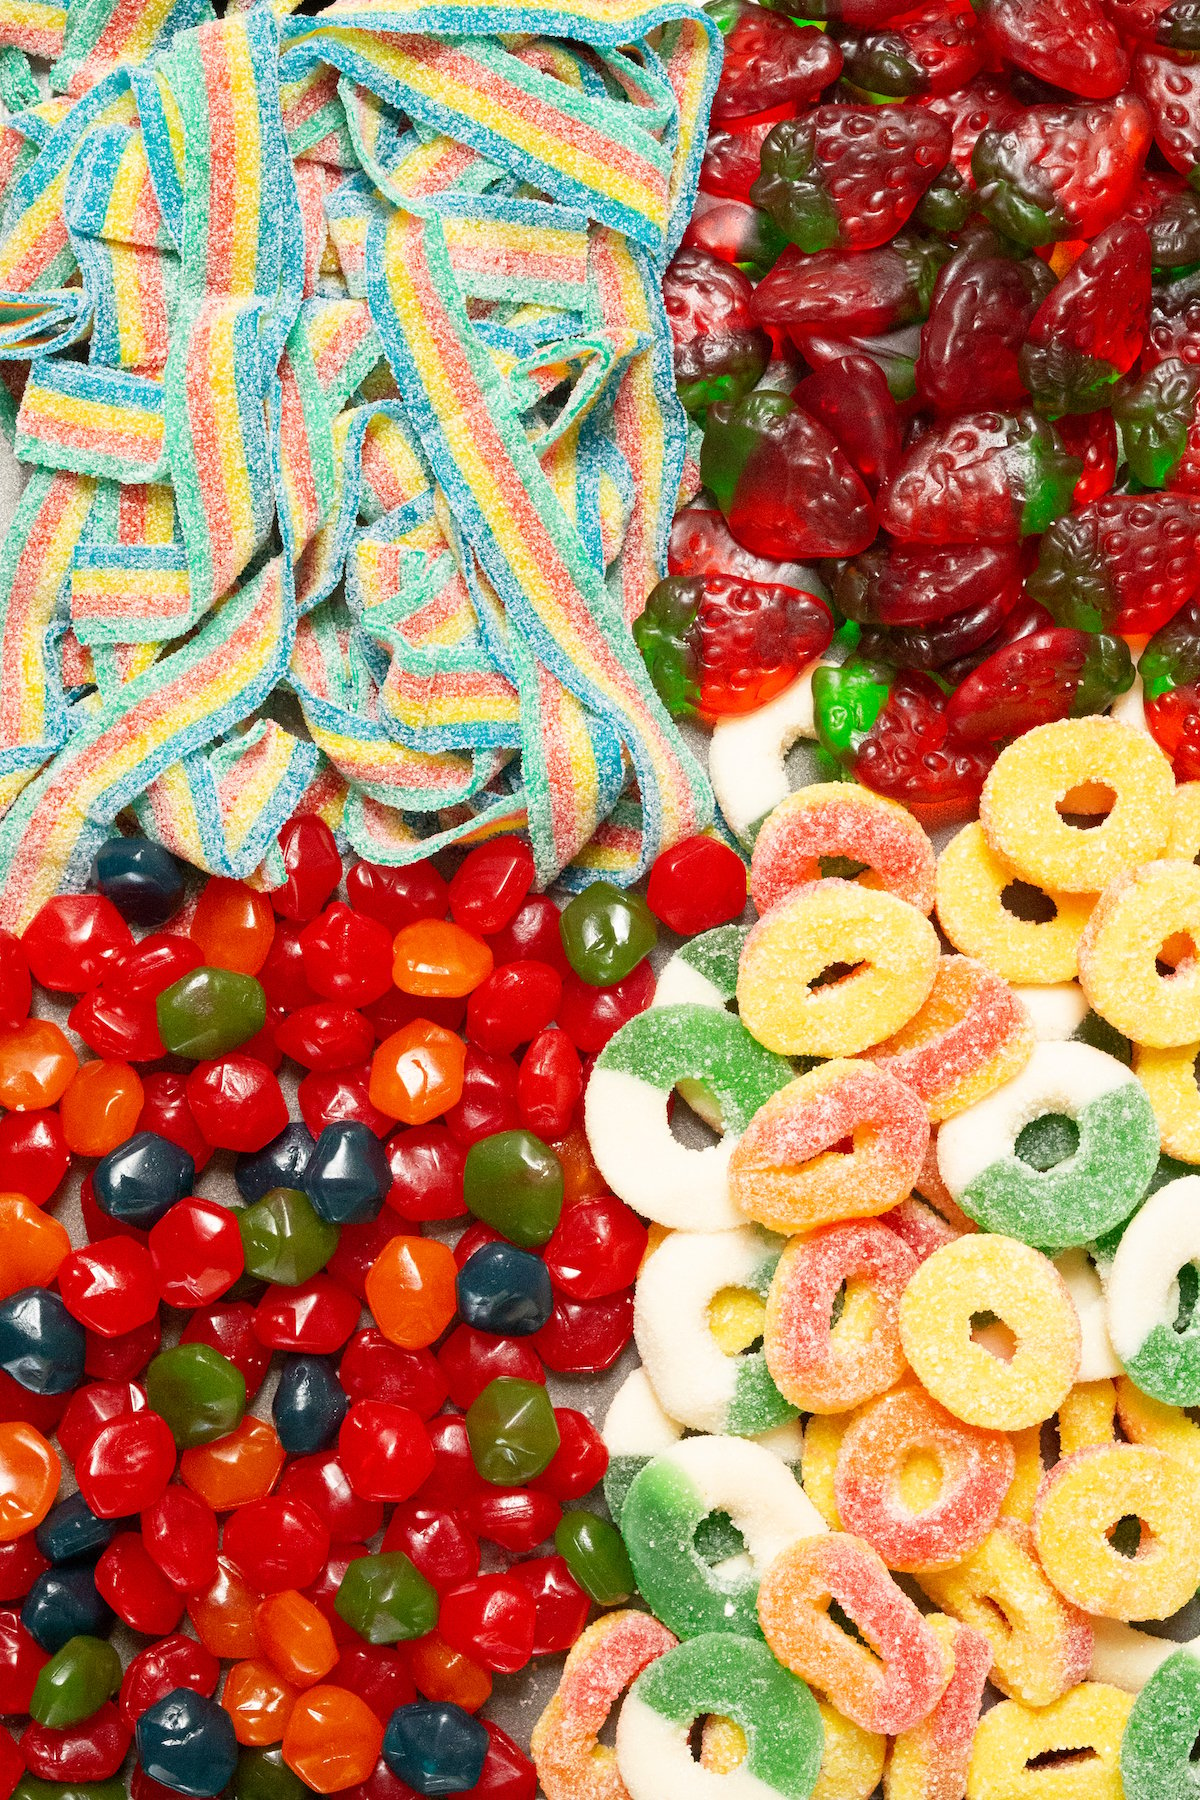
[(770, 63), (313, 864), (982, 309), (469, 1359), (597, 1248), (848, 177), (109, 1287), (42, 1411), (1169, 83), (90, 1751), (166, 1112), (91, 1407), (1048, 675), (491, 1619), (518, 1519), (436, 1541), (508, 1773), (549, 1084), (585, 1337), (21, 1562), (784, 484), (1067, 43), (384, 1449), (427, 1174), (347, 956), (282, 975), (590, 1015), (16, 989), (1092, 438), (1089, 330), (122, 1357), (981, 476), (326, 1035), (180, 1533), (74, 940), (455, 1481), (359, 1247), (196, 1250), (560, 1605), (1125, 563), (512, 1004), (1056, 170), (175, 1661), (228, 1326), (373, 1369), (129, 1578), (276, 1543), (490, 884), (117, 1024), (488, 1102), (695, 886), (397, 897), (21, 1661), (323, 1484), (237, 1102), (316, 1316), (126, 1466), (867, 292), (378, 1674), (934, 49), (580, 1460), (531, 935), (719, 350), (12, 1762), (33, 1154), (326, 1096), (161, 958)]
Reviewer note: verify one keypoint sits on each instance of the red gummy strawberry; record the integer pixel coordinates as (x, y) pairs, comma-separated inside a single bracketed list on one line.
[(769, 62), (1067, 43), (847, 177), (1170, 211), (864, 293), (1174, 329), (1090, 329), (982, 309), (1171, 23), (1170, 86), (1125, 563), (733, 159), (969, 111), (982, 477), (1058, 171), (935, 49)]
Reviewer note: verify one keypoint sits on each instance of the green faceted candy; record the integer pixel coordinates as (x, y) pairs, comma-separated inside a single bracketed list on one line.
[(263, 1775), (199, 1392), (606, 933), (595, 1553), (514, 1182), (76, 1682), (284, 1238), (210, 1011), (512, 1430), (386, 1599)]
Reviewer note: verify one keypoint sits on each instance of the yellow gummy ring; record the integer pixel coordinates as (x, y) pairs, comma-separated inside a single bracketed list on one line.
[(1183, 839), (971, 883), (1085, 1496), (1139, 958), (1080, 762), (1169, 1078), (1091, 1718)]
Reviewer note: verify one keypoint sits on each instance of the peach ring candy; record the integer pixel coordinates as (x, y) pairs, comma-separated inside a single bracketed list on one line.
[(929, 1761), (851, 1761), (703, 972), (1078, 1736), (786, 1171), (626, 1111), (1143, 1294), (1085, 1496), (823, 1433), (1148, 1421), (738, 1678), (916, 1224), (1126, 1657), (1093, 1188), (1183, 838), (817, 1365), (1169, 1078), (835, 968), (838, 819), (1077, 767), (957, 1286), (971, 1036), (1055, 1012), (1157, 1761), (974, 1470), (694, 1378), (1097, 1358), (612, 1652), (1138, 962), (888, 1687), (674, 1494), (635, 1429), (1028, 935), (747, 756)]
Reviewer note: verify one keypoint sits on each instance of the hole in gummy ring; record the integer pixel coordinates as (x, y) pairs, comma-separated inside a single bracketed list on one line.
[(993, 1335), (1028, 903), (1188, 1281), (1177, 955), (1061, 1759), (1047, 1141), (1194, 1752), (688, 1126), (1129, 1537), (696, 1737), (842, 868), (835, 972), (1086, 806)]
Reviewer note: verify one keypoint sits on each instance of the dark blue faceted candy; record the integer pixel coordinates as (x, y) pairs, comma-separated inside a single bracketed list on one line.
[(435, 1746), (71, 1531), (187, 1742), (142, 1179), (309, 1405), (64, 1603), (143, 880), (505, 1290), (41, 1346), (280, 1164), (348, 1173)]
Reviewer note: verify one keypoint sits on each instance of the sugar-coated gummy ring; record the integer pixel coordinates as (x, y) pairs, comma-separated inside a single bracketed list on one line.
[(1145, 1420), (971, 884), (851, 1762), (823, 1433), (930, 1759), (1142, 1294), (887, 1691), (1169, 1078), (785, 1172), (635, 1428), (1075, 1200), (703, 972), (1145, 918), (1085, 1495), (1084, 761), (812, 1368), (1183, 838), (1088, 1721), (625, 1111), (612, 1652), (747, 756), (975, 1469), (838, 819), (738, 1678), (889, 947), (1098, 1361), (982, 1274), (1156, 1750), (970, 1036), (674, 1494), (1055, 1012), (693, 1378), (1041, 1645)]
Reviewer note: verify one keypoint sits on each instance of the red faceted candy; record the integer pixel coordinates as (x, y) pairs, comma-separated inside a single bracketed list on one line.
[(174, 1662), (165, 1110), (490, 884), (512, 1004), (397, 1009), (117, 1024), (282, 975), (385, 1450), (90, 1751), (698, 884), (549, 1084), (228, 1326), (585, 1337), (436, 1542), (127, 1465), (491, 1619), (518, 1519), (154, 964), (488, 1102), (378, 1674), (473, 1238), (326, 1035), (74, 940), (323, 1590), (42, 1411), (469, 1359), (397, 897), (532, 935), (21, 1562), (128, 1577), (455, 1480), (16, 989), (508, 1773), (590, 1015), (373, 1369), (92, 1407), (237, 1102), (196, 1249), (109, 1287), (21, 1661), (33, 1154), (180, 1532), (316, 1316), (580, 1460), (277, 1543), (313, 864), (358, 1249), (122, 1357), (560, 1605), (326, 1096), (347, 956), (322, 1482), (12, 1763), (427, 1174)]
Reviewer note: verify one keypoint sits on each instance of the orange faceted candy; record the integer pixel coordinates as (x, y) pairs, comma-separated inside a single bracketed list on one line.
[(417, 1073), (233, 925), (410, 1290), (436, 957), (100, 1109), (224, 1614), (36, 1065), (29, 1472), (296, 1636), (32, 1245), (441, 1673), (259, 1701), (243, 1465), (333, 1739)]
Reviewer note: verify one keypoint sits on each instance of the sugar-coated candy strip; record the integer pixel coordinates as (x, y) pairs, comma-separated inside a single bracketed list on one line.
[(1075, 1200), (696, 1382), (929, 1761), (831, 819), (814, 1369), (605, 1658), (34, 26), (972, 883), (626, 1111), (972, 1035), (95, 421), (669, 1499), (888, 1691), (782, 1172), (1089, 1721), (1142, 923), (984, 1273), (974, 1467), (103, 32), (1083, 1498), (1142, 1295)]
